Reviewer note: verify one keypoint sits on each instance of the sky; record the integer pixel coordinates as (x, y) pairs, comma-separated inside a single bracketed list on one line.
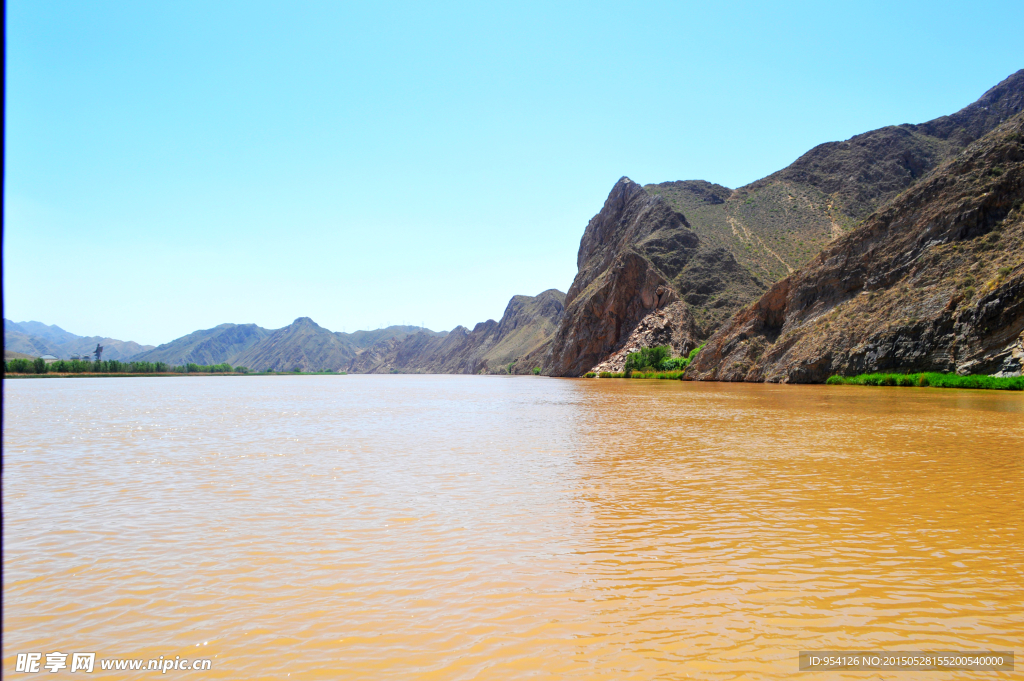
[(171, 166)]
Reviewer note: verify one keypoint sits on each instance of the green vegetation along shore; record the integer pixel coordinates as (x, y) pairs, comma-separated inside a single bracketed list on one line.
[(29, 368), (655, 362), (933, 380)]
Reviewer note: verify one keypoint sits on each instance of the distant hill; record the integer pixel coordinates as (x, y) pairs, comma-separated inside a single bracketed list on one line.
[(302, 345), (934, 281), (35, 339), (516, 344), (207, 346), (365, 339)]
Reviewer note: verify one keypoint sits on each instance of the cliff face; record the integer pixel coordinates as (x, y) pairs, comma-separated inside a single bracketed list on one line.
[(524, 332), (932, 282), (636, 257)]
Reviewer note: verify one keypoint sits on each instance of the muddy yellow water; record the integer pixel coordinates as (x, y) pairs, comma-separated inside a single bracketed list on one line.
[(442, 527)]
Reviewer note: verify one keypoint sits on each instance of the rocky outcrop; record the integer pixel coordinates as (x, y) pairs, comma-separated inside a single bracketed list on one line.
[(932, 282), (506, 346), (638, 256), (672, 326)]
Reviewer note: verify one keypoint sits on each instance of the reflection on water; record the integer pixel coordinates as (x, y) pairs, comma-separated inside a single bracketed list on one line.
[(445, 527)]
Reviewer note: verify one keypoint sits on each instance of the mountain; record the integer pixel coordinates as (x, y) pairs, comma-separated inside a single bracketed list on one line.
[(934, 281), (36, 338), (50, 333), (207, 346), (515, 344), (364, 339), (302, 345), (707, 251)]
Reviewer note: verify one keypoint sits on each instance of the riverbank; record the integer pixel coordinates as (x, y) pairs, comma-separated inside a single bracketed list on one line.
[(921, 380)]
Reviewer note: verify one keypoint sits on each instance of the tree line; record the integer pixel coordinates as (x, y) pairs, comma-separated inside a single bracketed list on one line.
[(112, 366)]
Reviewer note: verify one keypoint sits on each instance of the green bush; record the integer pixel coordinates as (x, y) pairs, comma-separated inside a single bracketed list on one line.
[(39, 364), (674, 364), (589, 374), (646, 358), (657, 359), (536, 371)]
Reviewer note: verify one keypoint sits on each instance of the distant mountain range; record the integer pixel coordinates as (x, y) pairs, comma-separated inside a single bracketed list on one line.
[(35, 339), (492, 347), (302, 345)]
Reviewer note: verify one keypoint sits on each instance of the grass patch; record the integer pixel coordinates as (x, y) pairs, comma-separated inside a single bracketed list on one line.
[(589, 374), (933, 380), (664, 375)]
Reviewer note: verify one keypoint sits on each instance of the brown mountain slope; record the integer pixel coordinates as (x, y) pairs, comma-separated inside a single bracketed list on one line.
[(778, 223), (524, 331), (932, 282)]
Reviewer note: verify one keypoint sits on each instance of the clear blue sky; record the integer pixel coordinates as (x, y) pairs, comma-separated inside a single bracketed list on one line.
[(170, 166)]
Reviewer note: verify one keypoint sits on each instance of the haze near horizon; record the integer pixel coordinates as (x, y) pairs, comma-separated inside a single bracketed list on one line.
[(172, 167)]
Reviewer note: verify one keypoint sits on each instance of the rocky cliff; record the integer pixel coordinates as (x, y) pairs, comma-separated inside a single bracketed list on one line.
[(637, 256), (934, 281), (515, 344), (716, 249)]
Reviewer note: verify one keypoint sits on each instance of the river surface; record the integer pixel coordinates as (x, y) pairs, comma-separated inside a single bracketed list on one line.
[(467, 527)]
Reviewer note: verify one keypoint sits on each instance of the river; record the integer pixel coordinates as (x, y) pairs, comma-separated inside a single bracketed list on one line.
[(470, 527)]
